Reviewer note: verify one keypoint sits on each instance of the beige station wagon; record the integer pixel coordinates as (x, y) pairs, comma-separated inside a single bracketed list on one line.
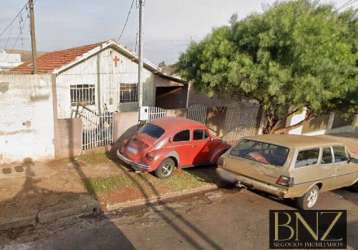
[(289, 166)]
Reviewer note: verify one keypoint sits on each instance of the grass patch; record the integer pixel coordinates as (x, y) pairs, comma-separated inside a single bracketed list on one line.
[(94, 158), (191, 178), (180, 180), (108, 184)]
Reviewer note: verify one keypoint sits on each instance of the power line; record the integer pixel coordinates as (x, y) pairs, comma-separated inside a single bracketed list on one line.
[(127, 19), (14, 19), (11, 40), (136, 43), (21, 30)]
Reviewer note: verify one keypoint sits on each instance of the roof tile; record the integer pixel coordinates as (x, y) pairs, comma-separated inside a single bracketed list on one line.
[(48, 62)]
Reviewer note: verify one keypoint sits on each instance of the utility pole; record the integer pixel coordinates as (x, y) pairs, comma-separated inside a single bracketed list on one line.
[(140, 58), (33, 36)]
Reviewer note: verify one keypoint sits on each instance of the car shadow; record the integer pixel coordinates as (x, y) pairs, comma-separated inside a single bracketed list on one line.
[(347, 194), (291, 203), (191, 233), (205, 173)]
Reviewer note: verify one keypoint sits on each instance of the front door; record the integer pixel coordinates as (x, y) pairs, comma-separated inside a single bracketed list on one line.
[(201, 147), (346, 173)]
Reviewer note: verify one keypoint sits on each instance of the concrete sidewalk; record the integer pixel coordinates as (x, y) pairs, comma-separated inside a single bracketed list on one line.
[(32, 193)]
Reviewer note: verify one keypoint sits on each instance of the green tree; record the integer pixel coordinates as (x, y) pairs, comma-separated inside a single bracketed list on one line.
[(296, 55)]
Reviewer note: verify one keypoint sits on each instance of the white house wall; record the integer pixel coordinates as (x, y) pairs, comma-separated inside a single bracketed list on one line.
[(26, 117), (109, 76)]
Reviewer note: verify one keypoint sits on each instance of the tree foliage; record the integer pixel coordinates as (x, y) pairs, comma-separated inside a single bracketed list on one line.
[(296, 54)]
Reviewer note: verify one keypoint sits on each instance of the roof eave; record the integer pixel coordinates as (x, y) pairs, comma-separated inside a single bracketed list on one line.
[(110, 43)]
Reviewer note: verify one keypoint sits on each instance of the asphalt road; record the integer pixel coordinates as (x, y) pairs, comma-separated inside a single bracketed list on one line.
[(223, 219)]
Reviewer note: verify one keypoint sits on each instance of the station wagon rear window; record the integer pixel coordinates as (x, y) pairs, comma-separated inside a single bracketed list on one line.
[(152, 130), (262, 152)]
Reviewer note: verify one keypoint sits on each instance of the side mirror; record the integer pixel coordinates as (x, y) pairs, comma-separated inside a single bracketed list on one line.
[(170, 140)]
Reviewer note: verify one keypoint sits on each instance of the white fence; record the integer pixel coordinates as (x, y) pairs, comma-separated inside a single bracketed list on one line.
[(156, 113)]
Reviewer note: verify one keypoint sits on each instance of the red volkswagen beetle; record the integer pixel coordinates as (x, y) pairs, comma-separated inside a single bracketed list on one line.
[(166, 143)]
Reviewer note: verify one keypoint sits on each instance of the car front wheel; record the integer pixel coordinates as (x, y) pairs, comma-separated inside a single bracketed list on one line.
[(309, 200), (165, 169)]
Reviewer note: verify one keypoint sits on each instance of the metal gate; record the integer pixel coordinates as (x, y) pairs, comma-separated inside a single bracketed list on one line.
[(97, 129), (197, 113), (156, 113), (240, 120)]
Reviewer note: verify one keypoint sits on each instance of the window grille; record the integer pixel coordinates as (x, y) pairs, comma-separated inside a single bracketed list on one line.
[(128, 93), (83, 94)]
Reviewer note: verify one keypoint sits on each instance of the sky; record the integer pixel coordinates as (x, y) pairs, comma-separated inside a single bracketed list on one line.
[(169, 25)]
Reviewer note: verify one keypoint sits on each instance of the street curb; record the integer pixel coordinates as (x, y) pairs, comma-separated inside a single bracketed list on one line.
[(81, 210), (18, 222), (161, 198), (47, 216)]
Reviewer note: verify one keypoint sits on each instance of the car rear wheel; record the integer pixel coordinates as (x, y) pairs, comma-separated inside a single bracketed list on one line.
[(165, 169), (309, 200)]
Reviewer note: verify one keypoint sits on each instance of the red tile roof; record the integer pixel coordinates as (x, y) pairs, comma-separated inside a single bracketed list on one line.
[(48, 62)]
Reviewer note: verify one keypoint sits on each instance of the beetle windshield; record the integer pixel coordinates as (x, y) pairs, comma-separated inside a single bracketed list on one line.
[(262, 152), (152, 130)]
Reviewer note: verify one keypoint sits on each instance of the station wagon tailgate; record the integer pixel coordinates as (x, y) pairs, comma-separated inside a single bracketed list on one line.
[(262, 172), (257, 160)]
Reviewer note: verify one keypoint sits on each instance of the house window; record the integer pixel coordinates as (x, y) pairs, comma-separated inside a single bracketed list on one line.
[(128, 93), (83, 94)]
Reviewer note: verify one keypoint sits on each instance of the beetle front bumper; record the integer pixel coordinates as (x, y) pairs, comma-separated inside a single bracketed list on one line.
[(132, 164)]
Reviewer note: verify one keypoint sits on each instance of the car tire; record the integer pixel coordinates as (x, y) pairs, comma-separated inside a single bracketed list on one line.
[(354, 187), (309, 200), (165, 169)]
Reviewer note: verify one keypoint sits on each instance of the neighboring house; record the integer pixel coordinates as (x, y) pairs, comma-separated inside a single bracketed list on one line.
[(9, 60), (99, 78), (325, 124)]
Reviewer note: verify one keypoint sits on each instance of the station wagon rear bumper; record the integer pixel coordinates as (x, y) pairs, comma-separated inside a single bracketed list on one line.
[(132, 164), (251, 183)]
